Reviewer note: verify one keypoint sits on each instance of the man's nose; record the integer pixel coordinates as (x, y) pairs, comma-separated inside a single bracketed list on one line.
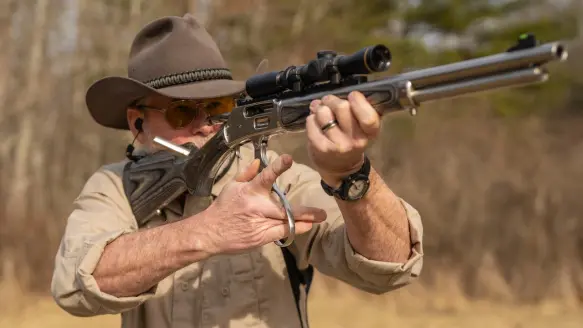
[(205, 129)]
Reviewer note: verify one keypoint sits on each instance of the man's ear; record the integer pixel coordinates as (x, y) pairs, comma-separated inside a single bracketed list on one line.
[(135, 121)]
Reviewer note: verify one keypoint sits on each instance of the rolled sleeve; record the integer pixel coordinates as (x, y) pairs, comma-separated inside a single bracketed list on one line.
[(98, 301), (386, 276), (98, 218), (329, 250)]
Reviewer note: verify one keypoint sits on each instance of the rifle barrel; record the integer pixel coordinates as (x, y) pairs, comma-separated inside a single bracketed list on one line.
[(486, 83), (497, 63)]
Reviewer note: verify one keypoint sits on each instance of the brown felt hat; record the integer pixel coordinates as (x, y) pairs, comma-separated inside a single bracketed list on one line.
[(171, 56)]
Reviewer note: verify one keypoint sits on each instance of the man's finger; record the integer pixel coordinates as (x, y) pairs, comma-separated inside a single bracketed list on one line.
[(300, 213), (305, 218), (308, 214), (314, 105), (249, 172), (267, 177), (324, 115), (317, 137), (341, 112), (367, 116), (281, 231)]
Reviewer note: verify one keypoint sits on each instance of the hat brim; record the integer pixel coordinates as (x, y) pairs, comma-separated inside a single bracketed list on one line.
[(109, 98)]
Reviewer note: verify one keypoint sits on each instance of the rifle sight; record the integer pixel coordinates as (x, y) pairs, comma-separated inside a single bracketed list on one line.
[(327, 67)]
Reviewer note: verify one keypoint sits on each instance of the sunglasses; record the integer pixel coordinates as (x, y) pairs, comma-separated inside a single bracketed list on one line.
[(180, 113)]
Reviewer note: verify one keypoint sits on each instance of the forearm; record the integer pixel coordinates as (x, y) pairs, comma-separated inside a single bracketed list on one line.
[(133, 263), (377, 225)]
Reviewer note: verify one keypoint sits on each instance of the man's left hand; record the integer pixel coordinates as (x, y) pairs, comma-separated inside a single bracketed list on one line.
[(338, 151)]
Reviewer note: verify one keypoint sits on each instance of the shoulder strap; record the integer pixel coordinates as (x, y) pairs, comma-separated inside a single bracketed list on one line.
[(297, 278)]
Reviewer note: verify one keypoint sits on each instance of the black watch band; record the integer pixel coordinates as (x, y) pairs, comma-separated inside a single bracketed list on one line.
[(354, 186)]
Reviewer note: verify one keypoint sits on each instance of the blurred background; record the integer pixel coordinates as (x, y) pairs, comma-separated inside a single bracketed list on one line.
[(497, 177)]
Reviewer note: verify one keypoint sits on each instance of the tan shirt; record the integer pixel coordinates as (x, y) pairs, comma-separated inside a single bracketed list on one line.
[(245, 290)]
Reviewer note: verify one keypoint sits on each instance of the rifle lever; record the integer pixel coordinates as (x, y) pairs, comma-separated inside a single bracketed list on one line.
[(260, 146)]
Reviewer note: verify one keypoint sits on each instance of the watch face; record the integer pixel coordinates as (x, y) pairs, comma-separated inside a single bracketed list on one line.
[(357, 189)]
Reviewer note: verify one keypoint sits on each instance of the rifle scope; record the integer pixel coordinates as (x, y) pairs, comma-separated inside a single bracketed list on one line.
[(327, 67)]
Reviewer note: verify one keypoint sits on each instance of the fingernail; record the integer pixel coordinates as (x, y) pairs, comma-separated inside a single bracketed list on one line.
[(354, 96), (250, 165), (287, 159), (314, 103)]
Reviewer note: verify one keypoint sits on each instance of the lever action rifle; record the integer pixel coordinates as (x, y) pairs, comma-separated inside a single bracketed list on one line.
[(278, 102)]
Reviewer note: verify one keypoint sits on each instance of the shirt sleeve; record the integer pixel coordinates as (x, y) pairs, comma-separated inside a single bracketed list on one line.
[(328, 248), (100, 215)]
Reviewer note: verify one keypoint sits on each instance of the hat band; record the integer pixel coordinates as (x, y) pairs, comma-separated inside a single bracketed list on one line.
[(190, 77)]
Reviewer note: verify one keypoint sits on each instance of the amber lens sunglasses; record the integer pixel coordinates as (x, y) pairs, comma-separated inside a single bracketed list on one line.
[(180, 113)]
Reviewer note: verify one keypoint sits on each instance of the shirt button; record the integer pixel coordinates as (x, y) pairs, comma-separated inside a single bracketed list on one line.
[(184, 286), (225, 291)]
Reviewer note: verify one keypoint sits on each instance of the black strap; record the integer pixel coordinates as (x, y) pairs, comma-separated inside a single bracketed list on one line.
[(297, 277)]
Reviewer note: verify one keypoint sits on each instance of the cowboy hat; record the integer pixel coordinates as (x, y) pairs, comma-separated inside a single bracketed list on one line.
[(172, 56)]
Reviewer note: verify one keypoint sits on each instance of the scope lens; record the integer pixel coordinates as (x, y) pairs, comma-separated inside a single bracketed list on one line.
[(365, 61), (379, 58)]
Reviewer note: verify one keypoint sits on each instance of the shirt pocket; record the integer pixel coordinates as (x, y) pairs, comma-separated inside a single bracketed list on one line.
[(241, 267)]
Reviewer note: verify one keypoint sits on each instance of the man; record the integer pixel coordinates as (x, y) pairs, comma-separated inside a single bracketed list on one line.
[(216, 265)]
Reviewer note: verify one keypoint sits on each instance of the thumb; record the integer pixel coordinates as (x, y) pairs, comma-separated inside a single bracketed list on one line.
[(267, 177), (249, 173)]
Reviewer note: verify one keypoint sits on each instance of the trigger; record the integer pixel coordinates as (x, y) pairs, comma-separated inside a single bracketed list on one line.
[(260, 146)]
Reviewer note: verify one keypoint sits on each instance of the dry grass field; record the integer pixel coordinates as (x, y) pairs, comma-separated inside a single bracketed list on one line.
[(516, 263), (338, 306), (497, 177)]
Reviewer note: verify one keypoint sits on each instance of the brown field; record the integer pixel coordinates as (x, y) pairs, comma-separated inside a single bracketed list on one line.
[(337, 306), (497, 177), (516, 263)]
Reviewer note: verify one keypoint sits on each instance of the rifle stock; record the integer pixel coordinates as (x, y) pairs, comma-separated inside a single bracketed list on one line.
[(278, 102)]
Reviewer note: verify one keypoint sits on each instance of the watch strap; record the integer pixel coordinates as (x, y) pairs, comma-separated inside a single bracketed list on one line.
[(342, 191)]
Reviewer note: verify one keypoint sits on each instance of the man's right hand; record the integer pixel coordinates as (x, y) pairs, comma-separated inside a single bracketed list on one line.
[(247, 215)]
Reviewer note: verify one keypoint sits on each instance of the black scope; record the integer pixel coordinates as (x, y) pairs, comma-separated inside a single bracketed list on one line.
[(327, 67)]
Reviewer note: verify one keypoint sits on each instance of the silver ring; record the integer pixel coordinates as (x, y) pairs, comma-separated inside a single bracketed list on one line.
[(329, 125)]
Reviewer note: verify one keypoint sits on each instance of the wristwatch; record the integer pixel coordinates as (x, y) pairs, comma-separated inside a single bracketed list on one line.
[(354, 186)]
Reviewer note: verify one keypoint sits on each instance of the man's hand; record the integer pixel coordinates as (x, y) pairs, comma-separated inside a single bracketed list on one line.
[(339, 151), (246, 215), (377, 225)]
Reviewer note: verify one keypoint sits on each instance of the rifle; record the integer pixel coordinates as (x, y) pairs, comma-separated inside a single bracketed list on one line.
[(278, 102)]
